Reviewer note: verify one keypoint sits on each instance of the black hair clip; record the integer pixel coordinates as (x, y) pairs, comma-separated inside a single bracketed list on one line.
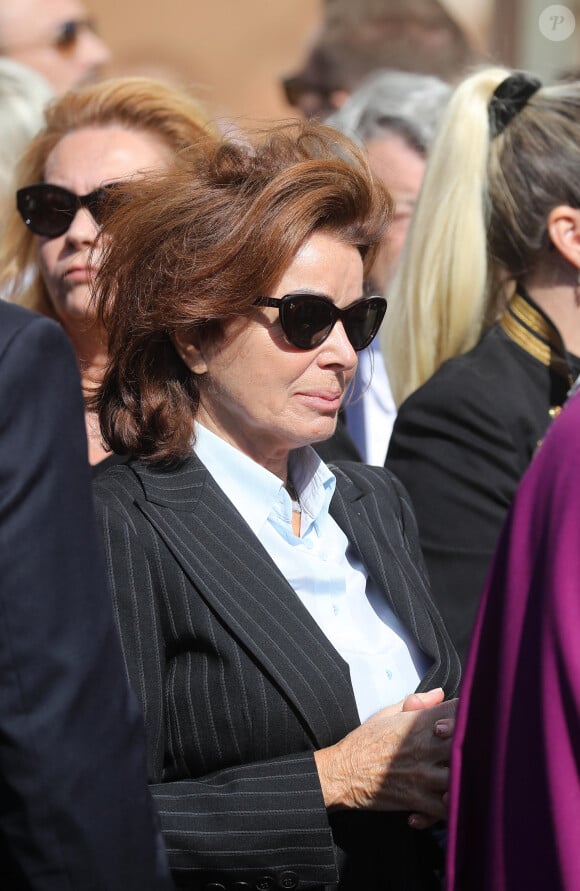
[(509, 98)]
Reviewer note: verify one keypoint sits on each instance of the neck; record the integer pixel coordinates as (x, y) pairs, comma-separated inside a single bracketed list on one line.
[(268, 454), (296, 508), (90, 346), (561, 303), (96, 448)]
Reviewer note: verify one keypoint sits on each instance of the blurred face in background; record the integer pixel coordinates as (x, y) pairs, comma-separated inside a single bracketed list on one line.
[(81, 162), (401, 169), (55, 37)]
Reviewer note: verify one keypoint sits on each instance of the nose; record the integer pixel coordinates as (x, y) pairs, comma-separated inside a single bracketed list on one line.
[(337, 349), (92, 51), (83, 230)]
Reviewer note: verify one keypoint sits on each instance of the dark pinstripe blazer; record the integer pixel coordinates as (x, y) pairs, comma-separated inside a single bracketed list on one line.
[(239, 685)]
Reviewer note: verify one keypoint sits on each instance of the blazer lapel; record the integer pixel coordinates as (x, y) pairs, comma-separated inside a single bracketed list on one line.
[(377, 538), (239, 581)]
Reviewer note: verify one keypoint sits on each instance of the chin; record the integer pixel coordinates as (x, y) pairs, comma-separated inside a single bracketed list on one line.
[(80, 308), (323, 431)]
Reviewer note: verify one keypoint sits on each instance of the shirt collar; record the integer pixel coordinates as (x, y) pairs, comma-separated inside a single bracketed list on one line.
[(254, 491), (314, 483)]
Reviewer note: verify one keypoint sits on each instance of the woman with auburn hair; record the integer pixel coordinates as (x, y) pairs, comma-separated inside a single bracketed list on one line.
[(489, 280), (94, 137), (267, 603)]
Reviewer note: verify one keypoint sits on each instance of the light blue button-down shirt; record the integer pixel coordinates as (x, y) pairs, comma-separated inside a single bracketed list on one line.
[(385, 664), (370, 410)]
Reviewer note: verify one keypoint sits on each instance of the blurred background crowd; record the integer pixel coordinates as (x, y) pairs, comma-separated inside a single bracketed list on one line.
[(238, 54)]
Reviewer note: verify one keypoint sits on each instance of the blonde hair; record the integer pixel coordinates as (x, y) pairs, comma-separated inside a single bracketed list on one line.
[(480, 224), (137, 103), (438, 297)]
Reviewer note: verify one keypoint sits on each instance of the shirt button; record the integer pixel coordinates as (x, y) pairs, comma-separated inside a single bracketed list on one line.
[(389, 674), (266, 883), (288, 880)]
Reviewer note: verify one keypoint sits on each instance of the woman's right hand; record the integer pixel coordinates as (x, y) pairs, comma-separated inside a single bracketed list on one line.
[(396, 761)]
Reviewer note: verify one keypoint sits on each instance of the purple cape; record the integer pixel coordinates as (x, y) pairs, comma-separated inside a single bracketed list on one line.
[(514, 820)]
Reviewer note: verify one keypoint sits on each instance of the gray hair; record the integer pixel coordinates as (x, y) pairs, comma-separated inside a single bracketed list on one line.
[(394, 102)]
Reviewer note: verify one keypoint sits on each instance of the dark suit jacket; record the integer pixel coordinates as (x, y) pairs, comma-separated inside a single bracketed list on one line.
[(239, 685), (75, 814), (460, 445)]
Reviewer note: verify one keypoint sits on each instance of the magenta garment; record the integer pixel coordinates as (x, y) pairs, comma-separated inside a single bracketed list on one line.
[(515, 778)]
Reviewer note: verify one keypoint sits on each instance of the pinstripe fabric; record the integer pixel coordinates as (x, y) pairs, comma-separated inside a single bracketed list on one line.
[(237, 682)]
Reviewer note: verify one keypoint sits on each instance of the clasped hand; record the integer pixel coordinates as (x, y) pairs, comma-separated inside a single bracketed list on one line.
[(398, 760)]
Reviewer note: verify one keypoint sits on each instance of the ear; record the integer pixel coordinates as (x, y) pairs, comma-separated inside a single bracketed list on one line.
[(564, 232), (188, 346)]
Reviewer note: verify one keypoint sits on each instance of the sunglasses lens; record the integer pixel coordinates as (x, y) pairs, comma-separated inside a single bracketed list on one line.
[(306, 321), (46, 210), (97, 203), (363, 320), (49, 210)]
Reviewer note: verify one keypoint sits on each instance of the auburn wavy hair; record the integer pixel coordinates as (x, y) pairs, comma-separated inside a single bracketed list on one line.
[(196, 245)]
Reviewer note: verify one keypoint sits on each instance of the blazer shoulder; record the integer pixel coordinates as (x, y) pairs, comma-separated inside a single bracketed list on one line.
[(481, 376), (118, 486), (161, 485), (16, 321), (13, 318)]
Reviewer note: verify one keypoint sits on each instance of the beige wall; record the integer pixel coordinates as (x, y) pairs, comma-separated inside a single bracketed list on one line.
[(235, 49)]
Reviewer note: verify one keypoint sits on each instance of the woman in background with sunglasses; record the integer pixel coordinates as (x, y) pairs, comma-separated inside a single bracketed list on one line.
[(268, 604), (94, 137)]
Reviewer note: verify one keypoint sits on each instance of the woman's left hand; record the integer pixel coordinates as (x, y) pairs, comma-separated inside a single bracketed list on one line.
[(444, 729)]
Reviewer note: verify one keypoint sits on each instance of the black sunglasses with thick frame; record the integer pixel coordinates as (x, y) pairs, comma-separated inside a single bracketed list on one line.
[(307, 319), (49, 210)]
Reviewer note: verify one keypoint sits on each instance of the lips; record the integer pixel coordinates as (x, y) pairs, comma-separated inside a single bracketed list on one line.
[(79, 273), (324, 399)]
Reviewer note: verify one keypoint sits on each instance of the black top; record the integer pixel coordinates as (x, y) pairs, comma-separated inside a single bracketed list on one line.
[(462, 441)]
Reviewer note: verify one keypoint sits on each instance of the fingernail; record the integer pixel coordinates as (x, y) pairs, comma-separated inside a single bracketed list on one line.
[(428, 693), (441, 728)]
